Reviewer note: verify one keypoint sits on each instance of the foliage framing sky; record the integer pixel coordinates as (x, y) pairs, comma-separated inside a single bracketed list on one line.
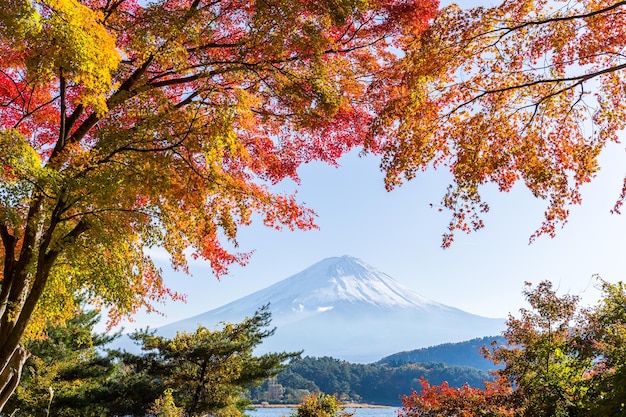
[(399, 233)]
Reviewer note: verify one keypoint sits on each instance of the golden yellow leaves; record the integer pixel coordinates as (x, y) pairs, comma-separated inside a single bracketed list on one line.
[(20, 170), (56, 306), (66, 39), (83, 49), (18, 159), (17, 18)]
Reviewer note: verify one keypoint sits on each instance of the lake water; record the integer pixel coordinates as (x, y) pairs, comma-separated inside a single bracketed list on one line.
[(358, 412)]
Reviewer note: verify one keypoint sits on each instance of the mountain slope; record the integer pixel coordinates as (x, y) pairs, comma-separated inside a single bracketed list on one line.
[(344, 308), (466, 353), (365, 383)]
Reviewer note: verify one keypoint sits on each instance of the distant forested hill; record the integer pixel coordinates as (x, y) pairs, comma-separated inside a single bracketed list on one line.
[(462, 354), (372, 383)]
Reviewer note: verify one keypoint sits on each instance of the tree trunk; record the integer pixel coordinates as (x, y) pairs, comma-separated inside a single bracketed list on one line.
[(10, 375), (21, 291)]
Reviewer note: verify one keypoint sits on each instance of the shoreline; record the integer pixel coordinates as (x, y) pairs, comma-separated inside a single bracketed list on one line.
[(347, 405)]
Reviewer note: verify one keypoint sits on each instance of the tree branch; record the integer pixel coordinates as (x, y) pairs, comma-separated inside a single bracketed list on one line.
[(62, 124), (561, 18), (122, 94), (8, 241), (578, 80), (44, 264), (71, 121)]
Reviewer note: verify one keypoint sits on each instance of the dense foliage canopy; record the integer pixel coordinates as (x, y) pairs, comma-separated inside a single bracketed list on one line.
[(128, 125), (366, 383)]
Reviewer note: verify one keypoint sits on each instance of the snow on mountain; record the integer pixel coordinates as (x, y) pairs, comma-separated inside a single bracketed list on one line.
[(344, 308)]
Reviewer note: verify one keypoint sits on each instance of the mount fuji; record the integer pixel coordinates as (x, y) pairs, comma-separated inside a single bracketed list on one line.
[(344, 308)]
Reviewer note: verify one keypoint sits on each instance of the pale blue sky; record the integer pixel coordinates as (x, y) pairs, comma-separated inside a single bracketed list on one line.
[(400, 234)]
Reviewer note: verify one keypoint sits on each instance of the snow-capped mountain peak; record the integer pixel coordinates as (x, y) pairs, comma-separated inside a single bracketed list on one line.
[(347, 280), (344, 308)]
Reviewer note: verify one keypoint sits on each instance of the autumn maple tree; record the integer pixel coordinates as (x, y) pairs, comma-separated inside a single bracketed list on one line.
[(545, 358), (127, 125), (526, 91), (559, 360), (443, 400)]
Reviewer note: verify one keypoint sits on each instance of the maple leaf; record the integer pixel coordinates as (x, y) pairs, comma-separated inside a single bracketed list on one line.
[(526, 91)]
